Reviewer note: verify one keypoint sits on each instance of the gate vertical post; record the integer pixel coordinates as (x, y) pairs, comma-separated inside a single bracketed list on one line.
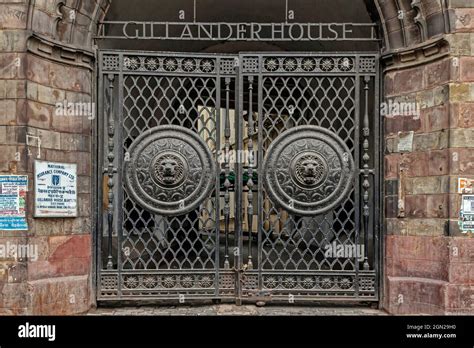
[(111, 170), (238, 180), (250, 183), (366, 182), (227, 173)]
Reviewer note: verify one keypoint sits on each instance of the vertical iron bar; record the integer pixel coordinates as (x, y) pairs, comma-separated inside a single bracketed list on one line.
[(227, 172), (98, 181), (366, 183), (260, 213), (357, 82), (250, 172), (217, 210), (110, 170), (238, 179), (379, 188), (120, 165)]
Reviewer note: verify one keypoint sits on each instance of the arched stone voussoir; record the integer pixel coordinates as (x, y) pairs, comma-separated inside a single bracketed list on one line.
[(403, 23), (408, 23)]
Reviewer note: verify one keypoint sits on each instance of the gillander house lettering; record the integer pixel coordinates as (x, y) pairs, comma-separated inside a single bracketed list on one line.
[(245, 31)]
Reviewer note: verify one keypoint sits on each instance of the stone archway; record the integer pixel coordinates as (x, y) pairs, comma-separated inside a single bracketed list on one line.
[(404, 23)]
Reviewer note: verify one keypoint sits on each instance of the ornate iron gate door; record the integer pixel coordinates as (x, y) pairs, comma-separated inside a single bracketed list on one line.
[(312, 120), (241, 177)]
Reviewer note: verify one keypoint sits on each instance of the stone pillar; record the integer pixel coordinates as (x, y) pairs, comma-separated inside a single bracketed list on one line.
[(47, 58), (13, 37), (429, 263)]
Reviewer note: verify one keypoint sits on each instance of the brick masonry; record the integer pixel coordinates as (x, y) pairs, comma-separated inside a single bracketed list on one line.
[(46, 56), (36, 74), (428, 261), (434, 275)]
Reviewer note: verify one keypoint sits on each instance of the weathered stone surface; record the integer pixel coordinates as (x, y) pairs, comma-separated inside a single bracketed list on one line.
[(13, 16), (80, 225), (391, 207), (430, 141), (61, 256), (12, 41), (427, 185), (444, 283), (415, 206), (60, 296), (462, 138), (234, 310), (8, 158), (437, 206), (462, 19), (12, 89), (70, 78), (404, 81), (461, 273), (438, 73), (462, 162), (460, 43), (438, 162), (38, 115), (460, 92), (435, 118), (416, 227), (406, 295), (47, 227), (467, 69), (393, 125), (30, 88), (13, 298), (461, 115), (49, 139), (75, 142), (459, 299), (8, 113), (84, 205), (416, 164), (427, 206), (425, 99), (37, 71), (392, 166)]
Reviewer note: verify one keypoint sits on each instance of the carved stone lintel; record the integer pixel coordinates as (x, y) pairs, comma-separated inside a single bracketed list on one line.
[(60, 52), (416, 55)]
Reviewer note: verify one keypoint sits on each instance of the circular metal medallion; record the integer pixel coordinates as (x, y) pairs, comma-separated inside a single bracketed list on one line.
[(320, 173), (170, 170)]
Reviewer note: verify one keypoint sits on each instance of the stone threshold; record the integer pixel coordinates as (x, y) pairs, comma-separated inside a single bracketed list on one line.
[(234, 310)]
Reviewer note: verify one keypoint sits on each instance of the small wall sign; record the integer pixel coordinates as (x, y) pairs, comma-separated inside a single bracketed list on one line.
[(13, 190), (405, 142), (465, 186), (467, 213), (55, 189)]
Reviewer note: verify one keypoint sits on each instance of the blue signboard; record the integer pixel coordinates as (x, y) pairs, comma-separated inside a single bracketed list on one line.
[(13, 190)]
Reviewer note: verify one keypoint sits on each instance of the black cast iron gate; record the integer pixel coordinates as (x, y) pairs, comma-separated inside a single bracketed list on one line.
[(250, 177)]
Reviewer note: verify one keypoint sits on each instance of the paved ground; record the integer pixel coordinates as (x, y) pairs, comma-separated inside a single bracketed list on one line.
[(227, 310)]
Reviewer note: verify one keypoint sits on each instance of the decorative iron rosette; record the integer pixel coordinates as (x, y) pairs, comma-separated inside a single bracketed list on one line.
[(308, 171), (170, 172)]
